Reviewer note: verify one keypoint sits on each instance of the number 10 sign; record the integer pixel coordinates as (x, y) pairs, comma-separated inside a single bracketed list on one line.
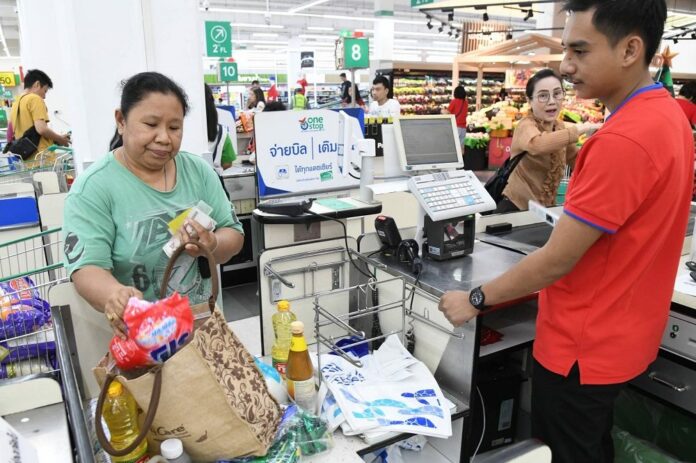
[(356, 53)]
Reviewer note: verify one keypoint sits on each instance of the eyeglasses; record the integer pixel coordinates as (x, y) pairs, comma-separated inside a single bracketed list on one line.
[(544, 97)]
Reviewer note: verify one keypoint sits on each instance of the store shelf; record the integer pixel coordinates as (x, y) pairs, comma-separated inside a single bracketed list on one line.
[(517, 324)]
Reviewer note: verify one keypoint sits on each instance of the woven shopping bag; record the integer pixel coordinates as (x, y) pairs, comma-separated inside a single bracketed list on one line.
[(209, 393)]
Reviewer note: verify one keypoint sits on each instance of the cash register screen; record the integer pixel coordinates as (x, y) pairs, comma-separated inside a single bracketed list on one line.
[(428, 142)]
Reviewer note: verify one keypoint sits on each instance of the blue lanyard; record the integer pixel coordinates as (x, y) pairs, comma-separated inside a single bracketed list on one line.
[(654, 86)]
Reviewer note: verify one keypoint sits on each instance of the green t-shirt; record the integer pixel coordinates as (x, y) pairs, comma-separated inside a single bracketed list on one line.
[(115, 221)]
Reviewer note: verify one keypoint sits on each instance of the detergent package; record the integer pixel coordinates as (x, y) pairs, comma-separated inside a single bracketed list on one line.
[(156, 330)]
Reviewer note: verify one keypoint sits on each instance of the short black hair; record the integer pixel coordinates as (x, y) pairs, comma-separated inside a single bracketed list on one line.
[(343, 74), (688, 91), (617, 19), (275, 106), (381, 80), (36, 75), (211, 115), (259, 95), (254, 82), (460, 92), (543, 74), (138, 87)]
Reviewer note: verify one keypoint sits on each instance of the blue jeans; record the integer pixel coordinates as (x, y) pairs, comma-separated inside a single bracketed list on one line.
[(462, 135)]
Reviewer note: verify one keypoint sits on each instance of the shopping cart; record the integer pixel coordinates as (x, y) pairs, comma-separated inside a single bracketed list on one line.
[(58, 159), (29, 267)]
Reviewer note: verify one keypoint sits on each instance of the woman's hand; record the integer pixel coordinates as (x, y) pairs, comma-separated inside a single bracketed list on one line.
[(115, 305), (193, 231), (587, 127)]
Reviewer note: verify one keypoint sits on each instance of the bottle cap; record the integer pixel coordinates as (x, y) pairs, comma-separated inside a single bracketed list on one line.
[(283, 305), (297, 327), (171, 449), (115, 389)]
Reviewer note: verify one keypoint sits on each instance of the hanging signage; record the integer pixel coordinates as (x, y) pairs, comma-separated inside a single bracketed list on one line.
[(218, 38), (307, 59), (298, 152), (7, 79), (415, 3), (227, 72), (356, 53)]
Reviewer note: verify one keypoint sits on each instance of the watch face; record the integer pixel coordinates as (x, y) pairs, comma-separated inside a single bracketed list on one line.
[(476, 297)]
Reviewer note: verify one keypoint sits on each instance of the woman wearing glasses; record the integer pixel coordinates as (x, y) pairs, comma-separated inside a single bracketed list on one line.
[(549, 145)]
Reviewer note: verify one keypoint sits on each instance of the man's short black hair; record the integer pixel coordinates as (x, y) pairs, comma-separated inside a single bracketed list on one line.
[(254, 82), (688, 91), (617, 19), (381, 80), (343, 74), (36, 75)]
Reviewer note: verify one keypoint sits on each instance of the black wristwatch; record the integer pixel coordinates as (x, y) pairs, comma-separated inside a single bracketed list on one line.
[(477, 298)]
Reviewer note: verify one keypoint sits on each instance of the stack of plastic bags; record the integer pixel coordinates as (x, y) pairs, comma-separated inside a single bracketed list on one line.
[(391, 392)]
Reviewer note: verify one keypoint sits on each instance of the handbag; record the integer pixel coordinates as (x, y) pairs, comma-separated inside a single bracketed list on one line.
[(28, 143), (209, 394), (497, 183)]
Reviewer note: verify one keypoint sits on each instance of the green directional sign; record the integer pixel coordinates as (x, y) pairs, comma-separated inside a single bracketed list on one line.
[(356, 53), (228, 72), (218, 38), (415, 3)]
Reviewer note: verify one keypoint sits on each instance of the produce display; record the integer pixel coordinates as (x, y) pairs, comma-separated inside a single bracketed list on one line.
[(430, 95)]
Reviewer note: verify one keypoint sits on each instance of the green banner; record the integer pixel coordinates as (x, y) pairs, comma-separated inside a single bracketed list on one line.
[(415, 3), (218, 38)]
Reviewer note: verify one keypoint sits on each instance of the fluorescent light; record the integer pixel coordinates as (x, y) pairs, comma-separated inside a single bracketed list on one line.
[(446, 44), (306, 5), (261, 26), (417, 34), (406, 40), (319, 28), (255, 42), (317, 36), (264, 34)]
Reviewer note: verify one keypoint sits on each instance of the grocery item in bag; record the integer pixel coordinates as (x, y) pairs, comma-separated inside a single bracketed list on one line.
[(121, 416), (156, 330)]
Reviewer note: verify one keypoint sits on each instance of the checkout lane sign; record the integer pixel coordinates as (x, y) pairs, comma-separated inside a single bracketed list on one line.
[(228, 72)]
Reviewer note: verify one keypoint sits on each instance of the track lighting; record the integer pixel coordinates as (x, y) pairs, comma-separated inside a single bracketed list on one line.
[(485, 16), (508, 36), (430, 24), (442, 26), (450, 16), (675, 41), (693, 35), (530, 14)]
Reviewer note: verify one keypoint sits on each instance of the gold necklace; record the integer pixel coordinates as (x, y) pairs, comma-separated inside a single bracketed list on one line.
[(127, 164)]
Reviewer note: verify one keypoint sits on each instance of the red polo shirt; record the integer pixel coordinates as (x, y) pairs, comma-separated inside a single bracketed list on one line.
[(633, 180)]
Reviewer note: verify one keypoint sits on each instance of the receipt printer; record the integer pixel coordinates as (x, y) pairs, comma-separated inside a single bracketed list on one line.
[(450, 238)]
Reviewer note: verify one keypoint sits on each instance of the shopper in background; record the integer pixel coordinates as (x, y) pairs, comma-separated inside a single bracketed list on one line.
[(549, 145), (273, 90), (271, 106), (355, 93), (607, 273), (33, 112), (460, 108), (502, 96), (299, 100), (255, 84), (118, 210), (219, 143), (687, 101), (382, 105), (345, 90), (255, 100)]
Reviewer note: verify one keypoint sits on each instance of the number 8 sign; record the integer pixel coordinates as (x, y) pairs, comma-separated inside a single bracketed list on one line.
[(356, 53)]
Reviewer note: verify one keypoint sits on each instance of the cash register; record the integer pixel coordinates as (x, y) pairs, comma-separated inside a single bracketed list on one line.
[(429, 147)]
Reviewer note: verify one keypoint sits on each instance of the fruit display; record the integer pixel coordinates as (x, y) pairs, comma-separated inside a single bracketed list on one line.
[(575, 110)]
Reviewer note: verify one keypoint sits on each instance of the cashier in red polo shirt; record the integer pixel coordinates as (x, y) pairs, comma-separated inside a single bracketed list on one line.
[(607, 272)]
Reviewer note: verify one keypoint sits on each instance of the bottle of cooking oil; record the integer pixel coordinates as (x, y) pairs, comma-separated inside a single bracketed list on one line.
[(121, 415), (281, 327), (300, 374)]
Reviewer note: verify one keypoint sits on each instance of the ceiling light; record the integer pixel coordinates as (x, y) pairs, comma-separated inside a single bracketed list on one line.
[(675, 41), (508, 36), (306, 5), (319, 28), (264, 34), (442, 26), (693, 35), (530, 14), (485, 16), (262, 26), (430, 24), (450, 16)]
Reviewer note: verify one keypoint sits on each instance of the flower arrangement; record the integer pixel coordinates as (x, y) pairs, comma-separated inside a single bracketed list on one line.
[(476, 140)]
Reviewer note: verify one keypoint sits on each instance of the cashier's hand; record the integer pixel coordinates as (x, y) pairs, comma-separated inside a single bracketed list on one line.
[(456, 307), (114, 307), (193, 231)]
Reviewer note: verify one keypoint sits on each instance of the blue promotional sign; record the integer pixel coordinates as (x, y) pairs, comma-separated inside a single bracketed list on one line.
[(299, 152)]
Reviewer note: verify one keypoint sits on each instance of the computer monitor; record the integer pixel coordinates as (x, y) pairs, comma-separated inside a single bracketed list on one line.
[(428, 142)]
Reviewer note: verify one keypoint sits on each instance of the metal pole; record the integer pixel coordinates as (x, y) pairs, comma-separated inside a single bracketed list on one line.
[(352, 82)]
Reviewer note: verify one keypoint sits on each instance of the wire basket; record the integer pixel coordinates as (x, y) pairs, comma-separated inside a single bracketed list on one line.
[(58, 159), (29, 267)]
